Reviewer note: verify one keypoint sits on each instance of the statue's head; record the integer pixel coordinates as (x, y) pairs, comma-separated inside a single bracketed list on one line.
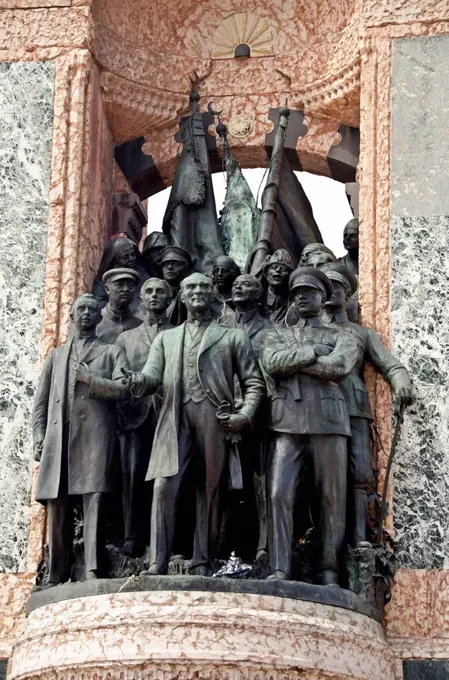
[(123, 253), (120, 285), (153, 247), (278, 268), (224, 272), (196, 292), (247, 291), (351, 235), (155, 295), (316, 255), (344, 283), (176, 264), (86, 312), (310, 289)]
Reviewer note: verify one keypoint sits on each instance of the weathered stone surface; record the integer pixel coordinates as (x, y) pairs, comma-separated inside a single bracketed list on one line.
[(420, 143), (420, 336), (26, 99), (197, 634)]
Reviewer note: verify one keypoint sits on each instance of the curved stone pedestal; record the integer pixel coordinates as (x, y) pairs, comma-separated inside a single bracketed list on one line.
[(176, 634)]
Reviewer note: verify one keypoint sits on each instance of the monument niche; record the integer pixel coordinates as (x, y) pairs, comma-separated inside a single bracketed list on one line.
[(240, 408)]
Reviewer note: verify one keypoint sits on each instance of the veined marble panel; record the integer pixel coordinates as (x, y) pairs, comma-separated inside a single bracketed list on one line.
[(420, 337), (26, 110)]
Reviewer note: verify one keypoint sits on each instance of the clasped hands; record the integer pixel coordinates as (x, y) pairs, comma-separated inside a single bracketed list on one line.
[(134, 380)]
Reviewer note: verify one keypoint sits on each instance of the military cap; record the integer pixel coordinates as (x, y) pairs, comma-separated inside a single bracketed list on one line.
[(335, 271), (121, 273), (280, 256), (310, 277), (178, 254)]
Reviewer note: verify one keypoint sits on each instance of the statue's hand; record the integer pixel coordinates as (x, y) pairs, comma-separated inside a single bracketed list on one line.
[(135, 381), (321, 350), (83, 374), (402, 396), (235, 422), (38, 447)]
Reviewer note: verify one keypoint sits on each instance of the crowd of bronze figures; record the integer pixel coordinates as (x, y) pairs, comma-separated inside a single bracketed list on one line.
[(220, 412)]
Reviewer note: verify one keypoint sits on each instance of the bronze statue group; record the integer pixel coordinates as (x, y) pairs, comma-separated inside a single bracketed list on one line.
[(177, 390)]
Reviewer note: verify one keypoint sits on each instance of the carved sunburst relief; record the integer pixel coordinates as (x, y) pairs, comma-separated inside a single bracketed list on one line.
[(242, 29)]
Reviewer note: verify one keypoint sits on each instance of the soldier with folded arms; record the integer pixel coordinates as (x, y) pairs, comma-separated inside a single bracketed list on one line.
[(310, 423)]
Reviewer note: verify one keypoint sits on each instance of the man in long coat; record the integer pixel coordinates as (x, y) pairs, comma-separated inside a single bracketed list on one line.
[(138, 417), (74, 435), (309, 418), (196, 364), (247, 295)]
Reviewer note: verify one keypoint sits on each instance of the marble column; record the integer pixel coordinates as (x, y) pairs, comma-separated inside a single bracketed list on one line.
[(419, 285), (26, 111)]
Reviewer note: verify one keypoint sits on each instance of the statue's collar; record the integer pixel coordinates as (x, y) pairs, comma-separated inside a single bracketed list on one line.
[(314, 321), (335, 317), (247, 315), (116, 315)]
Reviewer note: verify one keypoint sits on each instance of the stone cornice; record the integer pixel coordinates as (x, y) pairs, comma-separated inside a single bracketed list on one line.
[(145, 107)]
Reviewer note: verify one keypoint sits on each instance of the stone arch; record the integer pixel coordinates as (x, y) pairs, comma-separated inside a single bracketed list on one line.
[(313, 67)]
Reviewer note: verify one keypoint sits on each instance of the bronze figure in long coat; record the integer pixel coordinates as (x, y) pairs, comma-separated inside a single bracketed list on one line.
[(247, 295), (196, 363), (138, 417), (74, 434)]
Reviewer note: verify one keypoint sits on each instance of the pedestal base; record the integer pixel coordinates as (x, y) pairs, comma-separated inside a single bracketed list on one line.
[(170, 634)]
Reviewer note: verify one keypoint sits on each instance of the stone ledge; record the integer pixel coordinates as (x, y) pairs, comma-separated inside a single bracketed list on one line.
[(174, 634), (294, 590)]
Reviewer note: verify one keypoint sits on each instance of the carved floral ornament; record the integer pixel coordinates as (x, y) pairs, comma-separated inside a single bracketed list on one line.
[(240, 126), (242, 29)]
